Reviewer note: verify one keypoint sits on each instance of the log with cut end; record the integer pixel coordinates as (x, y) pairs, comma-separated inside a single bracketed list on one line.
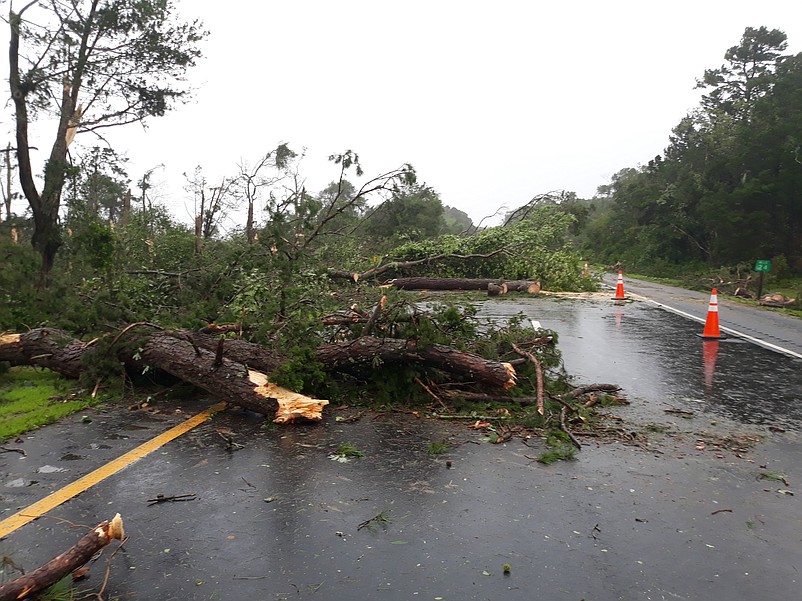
[(58, 567), (527, 286), (496, 289)]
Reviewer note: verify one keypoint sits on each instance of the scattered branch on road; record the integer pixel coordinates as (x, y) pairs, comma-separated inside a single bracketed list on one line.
[(164, 499), (58, 567)]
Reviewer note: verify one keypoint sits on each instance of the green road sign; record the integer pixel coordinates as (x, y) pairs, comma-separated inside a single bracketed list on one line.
[(763, 265)]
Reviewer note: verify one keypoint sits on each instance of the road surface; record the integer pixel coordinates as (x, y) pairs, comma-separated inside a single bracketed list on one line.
[(761, 325), (688, 516)]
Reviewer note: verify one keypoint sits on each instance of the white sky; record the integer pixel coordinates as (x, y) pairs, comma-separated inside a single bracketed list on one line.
[(492, 102)]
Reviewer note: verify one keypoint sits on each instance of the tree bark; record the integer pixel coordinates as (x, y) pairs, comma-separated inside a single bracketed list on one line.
[(496, 289), (239, 375), (527, 286), (341, 355), (58, 567), (468, 365), (44, 347), (444, 283)]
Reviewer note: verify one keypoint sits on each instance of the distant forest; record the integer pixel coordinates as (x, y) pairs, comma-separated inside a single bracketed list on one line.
[(726, 191), (728, 188)]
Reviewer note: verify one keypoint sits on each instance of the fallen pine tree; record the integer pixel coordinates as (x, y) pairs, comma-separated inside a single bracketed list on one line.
[(146, 347), (234, 369)]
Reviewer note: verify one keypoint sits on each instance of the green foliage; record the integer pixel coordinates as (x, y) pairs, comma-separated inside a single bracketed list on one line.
[(413, 213), (558, 451), (533, 247), (437, 447), (302, 372), (345, 452)]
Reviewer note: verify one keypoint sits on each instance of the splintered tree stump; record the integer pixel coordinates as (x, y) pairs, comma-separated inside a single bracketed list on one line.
[(291, 405), (176, 353), (58, 567)]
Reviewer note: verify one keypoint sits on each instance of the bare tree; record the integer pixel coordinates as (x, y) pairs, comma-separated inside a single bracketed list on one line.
[(211, 204), (253, 179)]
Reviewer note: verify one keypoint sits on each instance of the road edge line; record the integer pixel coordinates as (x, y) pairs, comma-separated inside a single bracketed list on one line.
[(752, 339)]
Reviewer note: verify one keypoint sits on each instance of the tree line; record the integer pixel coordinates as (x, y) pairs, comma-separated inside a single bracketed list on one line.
[(727, 190)]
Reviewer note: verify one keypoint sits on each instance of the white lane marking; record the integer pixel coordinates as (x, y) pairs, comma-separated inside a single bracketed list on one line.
[(752, 339)]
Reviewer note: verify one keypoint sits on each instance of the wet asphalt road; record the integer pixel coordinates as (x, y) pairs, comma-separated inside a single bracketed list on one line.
[(763, 325), (686, 517)]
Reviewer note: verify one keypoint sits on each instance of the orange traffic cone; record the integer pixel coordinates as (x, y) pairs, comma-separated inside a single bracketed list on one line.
[(619, 289), (712, 331), (585, 271)]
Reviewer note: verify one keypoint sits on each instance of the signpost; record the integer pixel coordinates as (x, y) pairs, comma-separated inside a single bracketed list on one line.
[(762, 266)]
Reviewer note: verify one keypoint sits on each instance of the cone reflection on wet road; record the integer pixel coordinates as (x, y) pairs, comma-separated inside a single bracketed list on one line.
[(709, 355)]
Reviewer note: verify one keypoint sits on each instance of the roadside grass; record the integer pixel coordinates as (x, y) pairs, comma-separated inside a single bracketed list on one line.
[(32, 397)]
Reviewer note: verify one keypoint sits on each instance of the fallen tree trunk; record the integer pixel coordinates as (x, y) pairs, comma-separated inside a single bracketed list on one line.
[(44, 347), (337, 356), (227, 379), (58, 567), (175, 353), (367, 348), (489, 284), (375, 272), (496, 289), (527, 286)]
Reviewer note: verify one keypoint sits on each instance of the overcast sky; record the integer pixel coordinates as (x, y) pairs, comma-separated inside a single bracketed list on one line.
[(492, 102)]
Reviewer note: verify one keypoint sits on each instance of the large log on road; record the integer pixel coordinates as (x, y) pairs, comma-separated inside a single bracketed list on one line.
[(468, 365), (444, 283), (365, 349)]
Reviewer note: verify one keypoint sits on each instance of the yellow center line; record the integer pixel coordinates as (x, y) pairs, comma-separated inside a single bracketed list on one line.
[(83, 483)]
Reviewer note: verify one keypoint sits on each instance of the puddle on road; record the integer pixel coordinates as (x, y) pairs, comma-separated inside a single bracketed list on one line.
[(659, 360), (50, 469)]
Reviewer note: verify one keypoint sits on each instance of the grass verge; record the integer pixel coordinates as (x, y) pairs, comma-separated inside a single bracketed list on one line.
[(32, 397)]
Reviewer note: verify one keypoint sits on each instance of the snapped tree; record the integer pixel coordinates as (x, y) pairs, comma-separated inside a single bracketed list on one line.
[(89, 64)]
